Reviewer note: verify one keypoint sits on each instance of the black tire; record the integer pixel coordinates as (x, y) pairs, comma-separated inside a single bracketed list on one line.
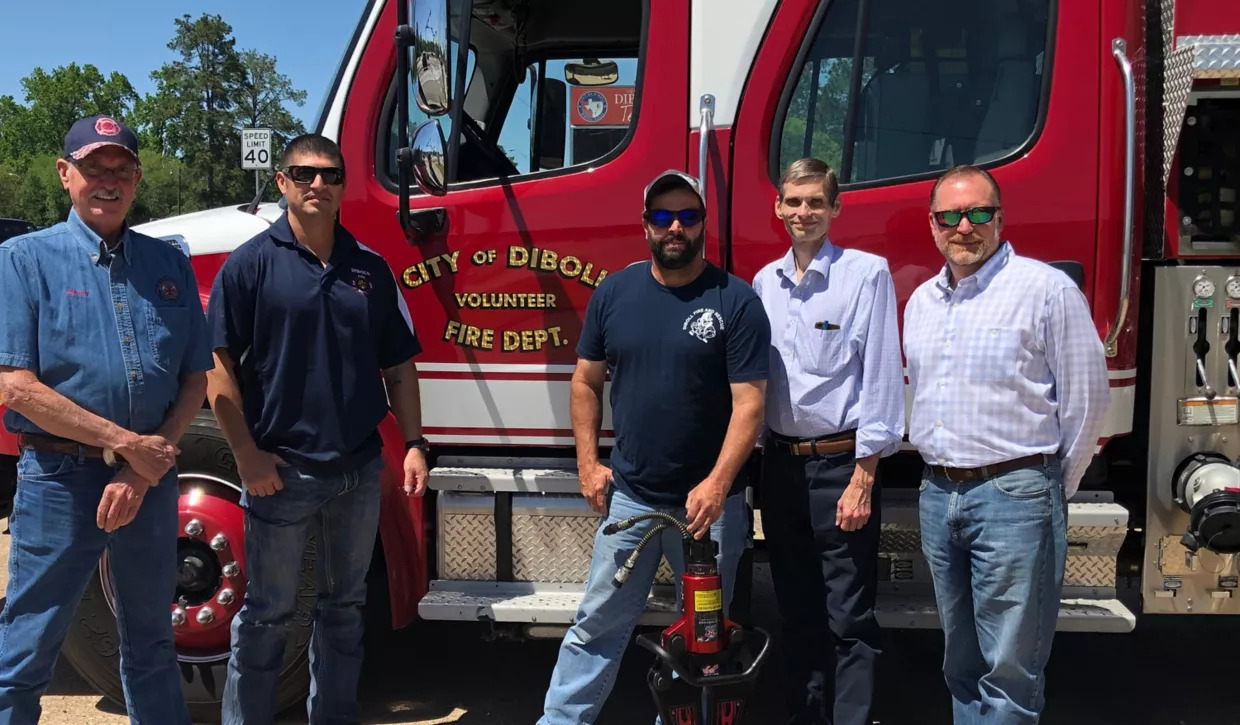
[(93, 645)]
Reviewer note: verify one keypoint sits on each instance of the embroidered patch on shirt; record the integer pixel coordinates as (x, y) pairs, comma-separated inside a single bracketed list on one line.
[(168, 290)]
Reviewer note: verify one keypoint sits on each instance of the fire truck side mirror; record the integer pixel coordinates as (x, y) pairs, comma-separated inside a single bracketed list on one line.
[(430, 72), (427, 159)]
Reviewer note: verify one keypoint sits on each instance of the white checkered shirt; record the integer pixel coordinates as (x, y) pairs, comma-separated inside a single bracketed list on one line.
[(1006, 365)]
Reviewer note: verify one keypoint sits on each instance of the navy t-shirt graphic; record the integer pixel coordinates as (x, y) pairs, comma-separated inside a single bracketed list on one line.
[(673, 353)]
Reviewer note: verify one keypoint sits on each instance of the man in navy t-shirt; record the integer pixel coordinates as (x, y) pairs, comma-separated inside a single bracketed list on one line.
[(686, 345)]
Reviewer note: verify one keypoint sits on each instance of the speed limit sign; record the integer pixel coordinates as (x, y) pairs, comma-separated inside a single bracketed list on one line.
[(255, 148)]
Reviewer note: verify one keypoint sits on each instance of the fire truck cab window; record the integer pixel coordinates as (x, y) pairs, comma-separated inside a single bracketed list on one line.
[(938, 83), (552, 85)]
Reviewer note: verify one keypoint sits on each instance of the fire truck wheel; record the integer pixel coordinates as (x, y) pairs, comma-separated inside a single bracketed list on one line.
[(211, 585)]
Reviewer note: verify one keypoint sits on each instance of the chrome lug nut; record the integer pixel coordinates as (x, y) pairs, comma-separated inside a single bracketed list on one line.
[(193, 528), (178, 617), (219, 542), (206, 615), (226, 597), (232, 569)]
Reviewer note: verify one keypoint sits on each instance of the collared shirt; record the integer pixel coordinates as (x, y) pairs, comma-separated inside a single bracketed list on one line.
[(112, 331), (835, 349), (311, 342), (1007, 364)]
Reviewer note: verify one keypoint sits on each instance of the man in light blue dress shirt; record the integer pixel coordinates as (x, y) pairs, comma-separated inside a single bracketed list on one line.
[(1009, 395), (834, 406)]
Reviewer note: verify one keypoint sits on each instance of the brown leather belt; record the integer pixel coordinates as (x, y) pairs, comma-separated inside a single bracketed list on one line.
[(51, 444), (837, 443), (981, 473)]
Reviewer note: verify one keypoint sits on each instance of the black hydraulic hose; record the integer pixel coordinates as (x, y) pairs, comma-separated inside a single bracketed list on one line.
[(622, 574), (632, 521)]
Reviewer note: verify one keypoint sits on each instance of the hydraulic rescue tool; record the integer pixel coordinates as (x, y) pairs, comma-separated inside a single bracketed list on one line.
[(707, 665)]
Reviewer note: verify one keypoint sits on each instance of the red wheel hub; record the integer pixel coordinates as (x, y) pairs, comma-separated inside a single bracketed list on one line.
[(211, 571)]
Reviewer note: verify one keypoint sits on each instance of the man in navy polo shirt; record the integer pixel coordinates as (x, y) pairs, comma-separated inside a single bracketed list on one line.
[(102, 353), (312, 340), (686, 344)]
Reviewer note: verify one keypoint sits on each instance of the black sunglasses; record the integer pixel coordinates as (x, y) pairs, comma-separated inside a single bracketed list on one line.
[(976, 215), (665, 217), (332, 175)]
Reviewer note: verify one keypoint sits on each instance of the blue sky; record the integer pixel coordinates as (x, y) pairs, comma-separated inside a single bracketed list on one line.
[(131, 36)]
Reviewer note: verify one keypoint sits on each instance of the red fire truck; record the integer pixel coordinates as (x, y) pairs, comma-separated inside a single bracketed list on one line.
[(530, 127)]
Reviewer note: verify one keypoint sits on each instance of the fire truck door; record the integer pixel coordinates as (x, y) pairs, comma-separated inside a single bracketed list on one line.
[(892, 94), (569, 111)]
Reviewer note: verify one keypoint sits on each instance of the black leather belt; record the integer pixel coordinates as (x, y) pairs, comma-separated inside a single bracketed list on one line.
[(53, 444)]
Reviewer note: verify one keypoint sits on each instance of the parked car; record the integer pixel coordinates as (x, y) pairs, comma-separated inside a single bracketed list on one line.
[(10, 228)]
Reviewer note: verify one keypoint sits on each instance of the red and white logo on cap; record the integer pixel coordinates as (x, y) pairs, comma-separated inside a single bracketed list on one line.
[(107, 127)]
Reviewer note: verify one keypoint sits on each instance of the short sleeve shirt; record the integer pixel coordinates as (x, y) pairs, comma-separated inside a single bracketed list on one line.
[(114, 331), (311, 342), (673, 353)]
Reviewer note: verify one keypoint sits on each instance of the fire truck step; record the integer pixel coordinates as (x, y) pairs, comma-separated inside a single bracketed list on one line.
[(525, 603), (897, 611)]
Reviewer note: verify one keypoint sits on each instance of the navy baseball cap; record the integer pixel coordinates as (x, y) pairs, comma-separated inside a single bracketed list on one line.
[(95, 132)]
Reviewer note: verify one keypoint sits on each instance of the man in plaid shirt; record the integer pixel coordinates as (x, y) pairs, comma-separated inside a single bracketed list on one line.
[(1009, 394)]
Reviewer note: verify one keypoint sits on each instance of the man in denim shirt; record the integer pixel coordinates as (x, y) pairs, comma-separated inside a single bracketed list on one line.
[(102, 359)]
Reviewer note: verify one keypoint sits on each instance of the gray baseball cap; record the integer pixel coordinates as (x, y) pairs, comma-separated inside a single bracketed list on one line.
[(672, 179)]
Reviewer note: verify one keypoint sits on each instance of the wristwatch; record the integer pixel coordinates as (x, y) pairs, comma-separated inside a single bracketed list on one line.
[(420, 443)]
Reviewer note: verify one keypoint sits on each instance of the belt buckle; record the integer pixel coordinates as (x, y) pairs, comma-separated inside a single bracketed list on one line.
[(967, 478)]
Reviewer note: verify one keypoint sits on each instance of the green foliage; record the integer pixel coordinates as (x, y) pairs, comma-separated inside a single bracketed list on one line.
[(188, 128)]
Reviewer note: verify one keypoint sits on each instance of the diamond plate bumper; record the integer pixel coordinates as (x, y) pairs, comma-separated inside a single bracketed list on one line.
[(474, 601), (1217, 56)]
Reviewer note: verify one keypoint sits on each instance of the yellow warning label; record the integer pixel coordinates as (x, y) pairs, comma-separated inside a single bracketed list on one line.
[(710, 600)]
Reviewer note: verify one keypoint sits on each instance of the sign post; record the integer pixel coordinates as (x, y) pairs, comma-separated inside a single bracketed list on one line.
[(256, 152)]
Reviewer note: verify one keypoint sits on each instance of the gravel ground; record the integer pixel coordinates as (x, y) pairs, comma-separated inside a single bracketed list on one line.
[(1170, 672)]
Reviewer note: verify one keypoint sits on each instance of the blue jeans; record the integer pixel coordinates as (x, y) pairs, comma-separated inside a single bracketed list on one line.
[(590, 654), (996, 549), (55, 548), (342, 511)]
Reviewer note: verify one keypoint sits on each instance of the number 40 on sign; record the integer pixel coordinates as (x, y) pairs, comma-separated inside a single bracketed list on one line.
[(256, 148)]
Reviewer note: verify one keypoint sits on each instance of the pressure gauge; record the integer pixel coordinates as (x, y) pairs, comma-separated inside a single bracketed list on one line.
[(1203, 287), (1233, 288)]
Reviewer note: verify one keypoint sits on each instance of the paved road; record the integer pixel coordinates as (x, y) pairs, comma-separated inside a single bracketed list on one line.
[(1173, 671)]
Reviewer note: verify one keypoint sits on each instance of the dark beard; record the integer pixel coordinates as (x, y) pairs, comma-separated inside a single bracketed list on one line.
[(675, 260)]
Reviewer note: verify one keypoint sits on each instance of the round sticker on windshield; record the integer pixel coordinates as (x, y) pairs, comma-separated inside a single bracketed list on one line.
[(592, 106)]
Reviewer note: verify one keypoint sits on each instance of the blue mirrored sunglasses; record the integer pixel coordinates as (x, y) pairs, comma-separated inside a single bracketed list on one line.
[(665, 217)]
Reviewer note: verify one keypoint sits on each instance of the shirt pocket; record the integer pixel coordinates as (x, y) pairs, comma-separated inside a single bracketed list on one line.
[(822, 352), (992, 354), (167, 332)]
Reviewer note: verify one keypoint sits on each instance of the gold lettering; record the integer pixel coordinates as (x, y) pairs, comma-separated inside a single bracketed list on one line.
[(550, 300), (434, 263), (451, 329), (570, 267), (451, 260), (555, 336), (585, 276), (512, 340), (518, 256), (549, 261), (473, 337), (488, 338), (409, 279)]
